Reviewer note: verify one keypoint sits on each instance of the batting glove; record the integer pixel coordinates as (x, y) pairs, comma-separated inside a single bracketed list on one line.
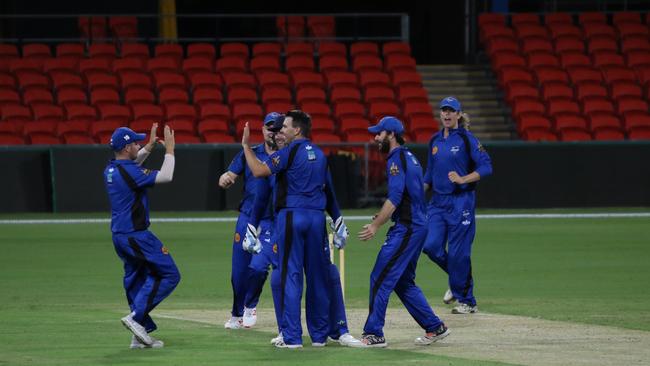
[(340, 232), (251, 242)]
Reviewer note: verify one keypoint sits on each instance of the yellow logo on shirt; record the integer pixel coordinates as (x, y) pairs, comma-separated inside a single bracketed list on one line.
[(165, 251), (237, 237), (434, 150), (275, 248), (276, 161), (394, 170)]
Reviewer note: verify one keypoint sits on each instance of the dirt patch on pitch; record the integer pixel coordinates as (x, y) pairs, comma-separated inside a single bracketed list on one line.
[(482, 336)]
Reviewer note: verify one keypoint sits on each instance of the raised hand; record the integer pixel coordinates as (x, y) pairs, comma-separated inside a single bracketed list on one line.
[(245, 137), (170, 142)]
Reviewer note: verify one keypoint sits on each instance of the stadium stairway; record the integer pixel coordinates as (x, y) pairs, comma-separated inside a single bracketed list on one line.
[(476, 88)]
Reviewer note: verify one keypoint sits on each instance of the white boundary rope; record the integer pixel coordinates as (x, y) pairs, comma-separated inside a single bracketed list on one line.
[(596, 215)]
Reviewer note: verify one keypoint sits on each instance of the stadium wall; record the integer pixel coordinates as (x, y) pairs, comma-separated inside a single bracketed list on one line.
[(69, 178)]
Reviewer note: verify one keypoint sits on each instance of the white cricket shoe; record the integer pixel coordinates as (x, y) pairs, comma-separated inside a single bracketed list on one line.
[(281, 344), (318, 344), (434, 336), (277, 339), (250, 317), (349, 341), (137, 330), (235, 322), (449, 297), (136, 344), (464, 309)]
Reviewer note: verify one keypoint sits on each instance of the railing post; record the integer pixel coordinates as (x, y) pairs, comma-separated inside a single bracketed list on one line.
[(405, 28)]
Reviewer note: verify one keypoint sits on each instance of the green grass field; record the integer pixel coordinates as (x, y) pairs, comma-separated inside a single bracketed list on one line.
[(62, 298)]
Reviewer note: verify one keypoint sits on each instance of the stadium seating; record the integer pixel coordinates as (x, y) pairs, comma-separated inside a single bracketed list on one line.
[(571, 81)]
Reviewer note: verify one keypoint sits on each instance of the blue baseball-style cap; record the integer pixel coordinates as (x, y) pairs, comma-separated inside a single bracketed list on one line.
[(450, 102), (388, 123), (273, 121), (124, 136)]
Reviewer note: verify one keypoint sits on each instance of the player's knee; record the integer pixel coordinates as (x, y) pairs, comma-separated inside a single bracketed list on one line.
[(334, 273)]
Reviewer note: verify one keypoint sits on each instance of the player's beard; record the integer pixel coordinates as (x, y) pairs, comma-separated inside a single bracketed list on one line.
[(384, 146), (271, 143)]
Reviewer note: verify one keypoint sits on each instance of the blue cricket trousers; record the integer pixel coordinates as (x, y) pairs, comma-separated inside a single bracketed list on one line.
[(249, 272), (395, 270), (451, 230), (302, 246), (150, 273)]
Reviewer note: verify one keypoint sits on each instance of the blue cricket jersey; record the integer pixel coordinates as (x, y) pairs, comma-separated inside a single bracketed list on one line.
[(239, 166), (405, 187), (301, 176), (453, 154), (126, 184)]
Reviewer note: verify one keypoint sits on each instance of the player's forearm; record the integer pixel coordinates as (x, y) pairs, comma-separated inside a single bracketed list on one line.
[(472, 177), (258, 169), (384, 214), (166, 173), (143, 154)]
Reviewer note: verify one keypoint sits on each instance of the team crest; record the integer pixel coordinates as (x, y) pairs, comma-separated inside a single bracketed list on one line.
[(275, 161), (237, 237), (275, 248), (165, 251), (394, 170), (480, 147), (434, 150), (146, 171)]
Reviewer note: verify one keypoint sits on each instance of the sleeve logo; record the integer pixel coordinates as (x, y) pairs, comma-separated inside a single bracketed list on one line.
[(434, 150), (394, 170), (237, 237), (275, 160)]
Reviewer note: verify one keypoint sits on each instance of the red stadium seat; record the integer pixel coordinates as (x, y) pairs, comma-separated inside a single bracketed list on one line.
[(104, 96), (8, 96), (217, 138), (532, 122), (274, 80), (553, 91), (47, 112), (242, 95), (565, 30), (80, 112), (206, 81), (547, 75), (364, 48), (123, 27), (173, 51), (213, 125), (78, 127), (267, 49), (263, 64), (165, 80), (370, 79), (634, 120), (37, 96), (135, 80), (527, 107), (606, 58), (11, 139), (635, 44), (410, 94), (321, 26), (343, 94), (569, 44), (203, 95), (354, 124), (417, 109), (297, 63), (230, 64), (626, 89), (530, 45), (173, 95), (247, 111), (310, 94), (346, 110), (290, 26), (299, 48), (392, 48), (406, 78), (115, 112), (323, 124), (16, 112), (382, 94), (161, 64), (574, 135), (539, 135), (183, 125), (92, 27), (507, 58), (274, 95), (331, 63), (579, 75), (329, 48), (129, 64), (106, 51), (239, 79), (525, 31), (102, 81), (317, 109), (234, 49), (609, 134), (623, 17), (197, 65), (502, 44), (594, 105), (379, 110), (592, 17), (36, 50), (147, 112), (103, 128), (214, 111), (201, 50), (524, 18), (338, 78), (541, 59), (304, 79), (560, 107), (135, 50), (8, 51), (590, 90), (598, 121), (400, 63), (627, 105)]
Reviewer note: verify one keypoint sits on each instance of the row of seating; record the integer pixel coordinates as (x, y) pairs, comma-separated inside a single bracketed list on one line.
[(80, 131), (126, 27), (204, 50), (558, 89)]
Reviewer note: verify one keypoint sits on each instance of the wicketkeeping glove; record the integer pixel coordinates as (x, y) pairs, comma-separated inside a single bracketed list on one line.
[(251, 242), (340, 232)]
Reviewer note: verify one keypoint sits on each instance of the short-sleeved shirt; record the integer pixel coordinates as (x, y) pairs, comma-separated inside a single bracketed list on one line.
[(239, 166), (301, 174), (405, 187), (126, 184), (452, 154)]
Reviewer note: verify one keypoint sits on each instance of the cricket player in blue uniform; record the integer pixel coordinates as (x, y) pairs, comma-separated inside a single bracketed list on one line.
[(150, 273), (396, 262), (264, 202), (300, 199), (249, 272), (457, 160)]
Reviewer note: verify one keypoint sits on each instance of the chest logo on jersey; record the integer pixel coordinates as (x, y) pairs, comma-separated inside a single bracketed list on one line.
[(146, 171), (165, 251), (275, 248), (434, 150), (311, 155), (275, 161), (480, 147), (455, 149), (394, 170), (237, 237)]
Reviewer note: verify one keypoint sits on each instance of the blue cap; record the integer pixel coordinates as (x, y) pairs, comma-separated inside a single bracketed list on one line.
[(388, 123), (450, 102), (273, 121), (124, 136)]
